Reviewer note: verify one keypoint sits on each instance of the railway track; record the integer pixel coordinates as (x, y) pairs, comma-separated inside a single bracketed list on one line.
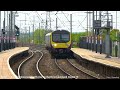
[(43, 67), (37, 65), (49, 69), (85, 71), (66, 73), (72, 71), (37, 74)]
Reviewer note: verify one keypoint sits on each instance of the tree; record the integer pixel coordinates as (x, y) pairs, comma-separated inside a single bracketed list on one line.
[(113, 34), (41, 33), (76, 37)]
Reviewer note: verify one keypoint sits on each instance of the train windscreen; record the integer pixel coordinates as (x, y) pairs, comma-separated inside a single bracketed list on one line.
[(60, 38)]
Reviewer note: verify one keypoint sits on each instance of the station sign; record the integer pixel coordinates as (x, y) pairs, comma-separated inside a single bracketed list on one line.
[(97, 24)]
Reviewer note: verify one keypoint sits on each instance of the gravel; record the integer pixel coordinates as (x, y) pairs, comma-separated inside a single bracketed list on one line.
[(64, 64), (48, 67)]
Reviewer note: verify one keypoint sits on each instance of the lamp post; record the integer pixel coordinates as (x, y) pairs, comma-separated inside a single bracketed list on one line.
[(116, 45), (3, 31), (39, 33), (108, 38), (71, 26), (16, 15), (0, 31)]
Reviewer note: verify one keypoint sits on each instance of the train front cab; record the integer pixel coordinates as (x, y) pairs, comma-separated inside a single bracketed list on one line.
[(60, 47)]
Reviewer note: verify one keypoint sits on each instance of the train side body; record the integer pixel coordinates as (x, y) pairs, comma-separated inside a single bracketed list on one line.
[(48, 40)]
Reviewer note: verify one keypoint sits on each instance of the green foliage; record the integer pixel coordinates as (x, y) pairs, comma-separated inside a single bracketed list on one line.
[(113, 34), (104, 32), (39, 35), (76, 38)]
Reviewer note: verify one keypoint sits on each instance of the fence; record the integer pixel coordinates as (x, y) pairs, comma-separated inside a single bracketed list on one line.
[(98, 45)]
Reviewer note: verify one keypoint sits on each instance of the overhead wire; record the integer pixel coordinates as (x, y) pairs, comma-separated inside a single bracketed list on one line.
[(81, 24), (65, 16), (82, 21), (61, 21)]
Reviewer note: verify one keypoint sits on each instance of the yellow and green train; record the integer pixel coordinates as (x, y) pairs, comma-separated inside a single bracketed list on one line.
[(58, 42)]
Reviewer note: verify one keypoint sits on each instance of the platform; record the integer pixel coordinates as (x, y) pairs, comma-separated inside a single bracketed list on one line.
[(97, 57), (5, 70)]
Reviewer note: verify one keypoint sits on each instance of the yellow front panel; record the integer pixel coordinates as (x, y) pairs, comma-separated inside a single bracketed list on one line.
[(61, 45)]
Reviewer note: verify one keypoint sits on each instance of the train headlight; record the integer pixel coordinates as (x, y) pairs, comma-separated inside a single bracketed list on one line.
[(54, 45)]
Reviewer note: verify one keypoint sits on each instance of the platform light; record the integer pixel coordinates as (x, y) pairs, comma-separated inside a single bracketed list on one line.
[(17, 33)]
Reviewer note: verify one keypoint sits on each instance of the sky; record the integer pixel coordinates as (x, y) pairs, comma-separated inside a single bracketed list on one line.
[(62, 21), (79, 20)]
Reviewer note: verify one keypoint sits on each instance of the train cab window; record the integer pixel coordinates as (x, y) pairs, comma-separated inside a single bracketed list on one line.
[(56, 37), (60, 38), (65, 37)]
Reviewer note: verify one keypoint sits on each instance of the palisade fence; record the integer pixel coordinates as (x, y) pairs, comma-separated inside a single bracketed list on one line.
[(99, 47)]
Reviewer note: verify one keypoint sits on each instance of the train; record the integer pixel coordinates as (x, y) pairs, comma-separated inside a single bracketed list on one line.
[(58, 42)]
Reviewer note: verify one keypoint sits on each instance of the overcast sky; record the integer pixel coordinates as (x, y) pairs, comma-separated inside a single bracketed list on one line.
[(79, 19)]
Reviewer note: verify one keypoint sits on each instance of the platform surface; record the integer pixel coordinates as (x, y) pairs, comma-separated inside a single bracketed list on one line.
[(97, 57), (5, 70)]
